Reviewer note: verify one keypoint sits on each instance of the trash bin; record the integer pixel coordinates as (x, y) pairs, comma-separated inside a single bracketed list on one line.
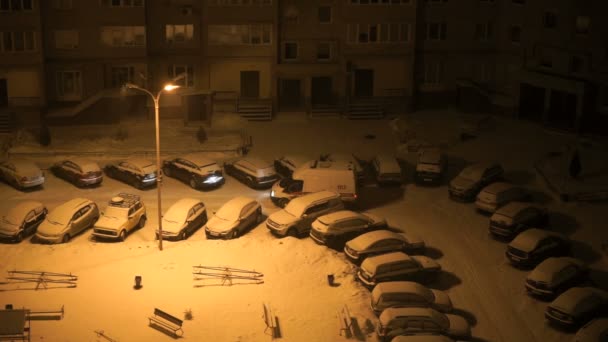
[(137, 285), (330, 279)]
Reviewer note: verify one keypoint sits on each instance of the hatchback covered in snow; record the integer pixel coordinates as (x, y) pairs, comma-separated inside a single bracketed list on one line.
[(431, 166), (67, 220), (22, 220), (408, 294), (287, 164), (124, 213), (577, 306), (535, 245), (196, 170), (498, 194), (338, 227), (183, 218), (137, 172), (396, 266), (381, 242), (387, 170), (515, 217), (21, 174), (80, 172), (594, 331), (415, 321), (295, 219), (472, 179), (253, 172), (554, 275), (234, 218)]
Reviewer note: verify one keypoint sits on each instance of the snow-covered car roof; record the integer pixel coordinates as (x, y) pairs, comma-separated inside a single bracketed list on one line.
[(404, 286), (512, 208), (295, 160), (339, 216), (85, 164), (475, 171), (548, 268), (373, 262), (178, 212), (422, 338), (232, 209), (297, 205), (64, 212), (363, 241), (497, 187), (255, 163), (23, 165), (388, 164), (142, 163), (429, 155), (199, 159), (577, 300), (529, 238), (389, 314), (17, 213)]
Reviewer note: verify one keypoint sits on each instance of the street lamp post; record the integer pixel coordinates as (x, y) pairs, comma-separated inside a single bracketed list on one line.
[(168, 87)]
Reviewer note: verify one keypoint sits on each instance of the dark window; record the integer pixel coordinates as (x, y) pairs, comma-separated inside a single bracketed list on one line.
[(373, 33), (291, 51), (576, 64), (325, 14), (519, 2), (550, 20), (582, 24), (323, 51), (515, 34)]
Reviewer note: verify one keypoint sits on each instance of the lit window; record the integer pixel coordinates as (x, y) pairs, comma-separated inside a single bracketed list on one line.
[(255, 34), (66, 39), (185, 72), (179, 33), (118, 36)]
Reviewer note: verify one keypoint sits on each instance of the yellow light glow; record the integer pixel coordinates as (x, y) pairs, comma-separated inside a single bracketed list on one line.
[(170, 87)]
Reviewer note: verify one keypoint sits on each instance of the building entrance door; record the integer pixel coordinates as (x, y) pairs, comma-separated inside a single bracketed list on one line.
[(364, 83), (290, 94), (250, 84), (3, 93), (321, 90)]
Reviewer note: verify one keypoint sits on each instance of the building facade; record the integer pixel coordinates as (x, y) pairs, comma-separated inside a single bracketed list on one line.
[(545, 61)]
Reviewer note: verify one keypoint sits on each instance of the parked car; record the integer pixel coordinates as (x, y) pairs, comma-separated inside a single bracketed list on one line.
[(336, 228), (253, 172), (21, 174), (515, 217), (422, 338), (387, 170), (405, 294), (594, 331), (396, 266), (124, 213), (554, 275), (195, 170), (498, 194), (183, 218), (67, 220), (295, 219), (382, 242), (412, 321), (80, 172), (234, 218), (535, 245), (140, 173), (431, 166), (577, 306), (22, 220), (473, 178), (287, 164)]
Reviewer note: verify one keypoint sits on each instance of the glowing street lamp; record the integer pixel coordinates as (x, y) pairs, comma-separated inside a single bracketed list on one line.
[(166, 88)]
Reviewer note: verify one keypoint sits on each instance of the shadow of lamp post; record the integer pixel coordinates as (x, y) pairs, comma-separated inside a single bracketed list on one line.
[(167, 88)]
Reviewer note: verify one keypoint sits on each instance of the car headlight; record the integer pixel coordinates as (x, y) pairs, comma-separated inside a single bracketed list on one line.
[(271, 193), (212, 179)]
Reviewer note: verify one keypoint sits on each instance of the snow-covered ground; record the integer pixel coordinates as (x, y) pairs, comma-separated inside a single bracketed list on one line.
[(484, 288)]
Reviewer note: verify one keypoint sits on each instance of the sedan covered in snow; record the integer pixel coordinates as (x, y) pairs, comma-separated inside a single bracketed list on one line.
[(22, 220), (577, 306), (21, 174), (253, 172), (234, 218), (415, 321), (381, 242), (387, 170), (555, 275), (68, 220), (396, 266), (196, 170), (408, 294), (535, 245), (140, 173), (338, 227), (183, 218), (472, 179), (515, 217), (80, 172)]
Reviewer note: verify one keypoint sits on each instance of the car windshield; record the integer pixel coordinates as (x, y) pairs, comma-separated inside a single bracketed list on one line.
[(116, 212), (283, 183), (471, 173), (228, 213)]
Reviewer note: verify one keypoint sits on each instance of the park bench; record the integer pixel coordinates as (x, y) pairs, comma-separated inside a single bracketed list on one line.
[(167, 322)]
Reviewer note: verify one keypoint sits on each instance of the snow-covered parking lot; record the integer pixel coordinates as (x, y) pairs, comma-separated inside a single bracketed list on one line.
[(483, 287)]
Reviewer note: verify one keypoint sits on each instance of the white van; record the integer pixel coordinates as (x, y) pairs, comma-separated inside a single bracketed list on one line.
[(313, 177), (297, 217), (498, 194)]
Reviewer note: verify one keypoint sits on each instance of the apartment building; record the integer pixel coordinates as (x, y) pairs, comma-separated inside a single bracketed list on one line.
[(545, 61), (22, 73)]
